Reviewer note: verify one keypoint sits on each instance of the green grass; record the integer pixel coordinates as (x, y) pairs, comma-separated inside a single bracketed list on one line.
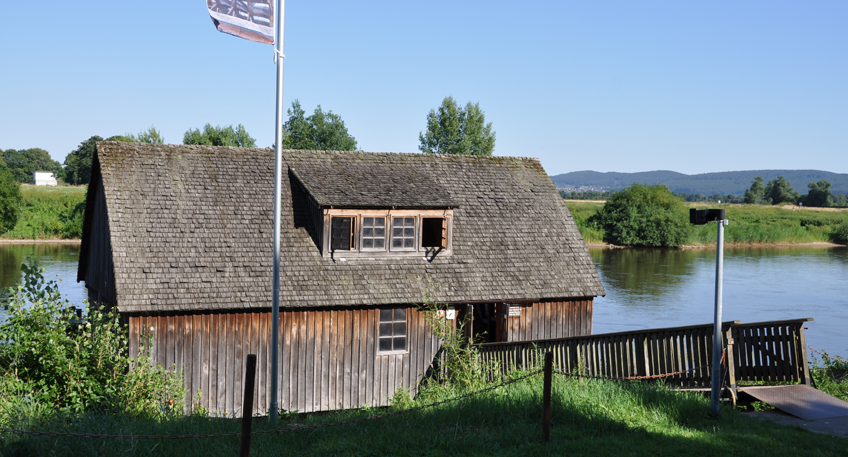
[(588, 418), (749, 224), (49, 213)]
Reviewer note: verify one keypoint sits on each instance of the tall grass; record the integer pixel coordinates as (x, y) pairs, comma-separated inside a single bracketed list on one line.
[(49, 212), (749, 224)]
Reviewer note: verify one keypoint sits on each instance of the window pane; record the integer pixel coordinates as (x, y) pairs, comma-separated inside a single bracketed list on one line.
[(398, 222), (408, 243), (386, 344), (399, 329), (399, 344), (379, 243), (385, 330), (379, 232), (385, 315), (379, 221), (367, 243), (367, 221), (408, 232), (409, 222), (400, 315), (369, 232), (397, 232), (397, 243)]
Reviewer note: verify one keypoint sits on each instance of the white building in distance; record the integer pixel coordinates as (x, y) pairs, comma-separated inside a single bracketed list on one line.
[(45, 178)]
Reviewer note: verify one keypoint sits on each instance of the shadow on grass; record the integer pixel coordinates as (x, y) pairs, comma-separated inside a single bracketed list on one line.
[(588, 418)]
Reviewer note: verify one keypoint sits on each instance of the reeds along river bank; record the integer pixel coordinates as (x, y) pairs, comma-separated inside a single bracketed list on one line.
[(49, 213), (748, 224)]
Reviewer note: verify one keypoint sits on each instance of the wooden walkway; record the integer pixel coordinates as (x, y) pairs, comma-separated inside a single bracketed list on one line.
[(760, 352)]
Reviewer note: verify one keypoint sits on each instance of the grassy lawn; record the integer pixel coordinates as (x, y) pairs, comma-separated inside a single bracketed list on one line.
[(589, 417), (752, 224)]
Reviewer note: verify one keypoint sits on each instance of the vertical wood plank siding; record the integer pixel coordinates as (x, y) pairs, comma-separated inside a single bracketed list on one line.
[(328, 359), (550, 319)]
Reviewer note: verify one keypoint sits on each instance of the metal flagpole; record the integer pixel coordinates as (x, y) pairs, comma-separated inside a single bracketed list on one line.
[(278, 184), (717, 337)]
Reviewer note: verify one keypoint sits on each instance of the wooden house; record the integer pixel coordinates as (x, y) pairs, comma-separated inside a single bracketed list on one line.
[(179, 239)]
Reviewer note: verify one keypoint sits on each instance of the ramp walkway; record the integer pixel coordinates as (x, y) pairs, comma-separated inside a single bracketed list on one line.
[(799, 400), (772, 355)]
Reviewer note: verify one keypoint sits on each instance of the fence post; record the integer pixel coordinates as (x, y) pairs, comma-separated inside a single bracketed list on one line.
[(247, 411), (546, 397)]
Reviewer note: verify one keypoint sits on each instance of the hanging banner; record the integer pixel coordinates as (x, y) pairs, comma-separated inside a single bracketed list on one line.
[(249, 19)]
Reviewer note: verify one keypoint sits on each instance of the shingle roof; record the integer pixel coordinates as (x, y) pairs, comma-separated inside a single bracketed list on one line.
[(367, 180), (192, 226)]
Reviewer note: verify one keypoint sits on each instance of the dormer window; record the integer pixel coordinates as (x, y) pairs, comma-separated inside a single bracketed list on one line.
[(375, 233)]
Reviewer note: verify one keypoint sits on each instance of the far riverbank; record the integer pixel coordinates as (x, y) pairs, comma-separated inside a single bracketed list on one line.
[(749, 225)]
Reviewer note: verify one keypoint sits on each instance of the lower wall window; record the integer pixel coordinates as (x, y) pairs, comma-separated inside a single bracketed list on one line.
[(392, 330)]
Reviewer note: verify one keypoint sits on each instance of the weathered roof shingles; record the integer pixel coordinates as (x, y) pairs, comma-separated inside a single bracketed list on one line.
[(191, 229)]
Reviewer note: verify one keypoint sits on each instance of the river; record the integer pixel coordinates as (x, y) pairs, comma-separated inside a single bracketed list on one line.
[(646, 288)]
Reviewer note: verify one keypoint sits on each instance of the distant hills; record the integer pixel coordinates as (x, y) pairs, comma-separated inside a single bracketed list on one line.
[(727, 182)]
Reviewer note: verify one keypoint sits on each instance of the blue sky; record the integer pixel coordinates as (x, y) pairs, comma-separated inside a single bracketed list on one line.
[(608, 86)]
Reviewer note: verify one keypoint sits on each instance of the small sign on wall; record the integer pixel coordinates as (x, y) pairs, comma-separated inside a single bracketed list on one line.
[(514, 311), (447, 314)]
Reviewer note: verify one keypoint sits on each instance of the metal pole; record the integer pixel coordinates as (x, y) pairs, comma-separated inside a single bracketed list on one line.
[(717, 339), (278, 185)]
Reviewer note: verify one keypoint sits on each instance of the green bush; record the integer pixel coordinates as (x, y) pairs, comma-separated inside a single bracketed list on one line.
[(840, 233), (643, 215), (10, 200), (63, 361)]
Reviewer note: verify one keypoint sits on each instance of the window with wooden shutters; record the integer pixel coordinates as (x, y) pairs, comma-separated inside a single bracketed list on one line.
[(433, 232), (392, 330), (374, 233), (341, 234)]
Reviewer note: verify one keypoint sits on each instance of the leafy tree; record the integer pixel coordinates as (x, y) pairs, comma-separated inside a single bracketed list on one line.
[(779, 191), (756, 193), (10, 200), (219, 136), (644, 215), (456, 130), (318, 132), (78, 162), (818, 195), (150, 135), (24, 162)]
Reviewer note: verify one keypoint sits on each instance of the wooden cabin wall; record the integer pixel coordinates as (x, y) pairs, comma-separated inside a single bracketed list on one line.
[(550, 319), (100, 274), (328, 359)]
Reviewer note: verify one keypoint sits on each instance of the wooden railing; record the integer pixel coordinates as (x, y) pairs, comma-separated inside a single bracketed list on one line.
[(762, 351)]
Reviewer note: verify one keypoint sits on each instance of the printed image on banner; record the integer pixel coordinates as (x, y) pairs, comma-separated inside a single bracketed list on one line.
[(249, 19)]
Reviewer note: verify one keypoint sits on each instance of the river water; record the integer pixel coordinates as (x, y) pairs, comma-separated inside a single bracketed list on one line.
[(646, 288)]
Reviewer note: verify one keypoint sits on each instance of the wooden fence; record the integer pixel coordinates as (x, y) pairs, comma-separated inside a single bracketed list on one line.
[(762, 351)]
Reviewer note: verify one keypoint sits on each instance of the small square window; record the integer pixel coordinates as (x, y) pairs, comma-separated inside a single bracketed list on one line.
[(374, 233), (403, 233), (392, 330)]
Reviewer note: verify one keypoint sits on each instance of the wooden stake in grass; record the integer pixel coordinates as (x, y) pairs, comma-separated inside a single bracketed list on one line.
[(247, 412)]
